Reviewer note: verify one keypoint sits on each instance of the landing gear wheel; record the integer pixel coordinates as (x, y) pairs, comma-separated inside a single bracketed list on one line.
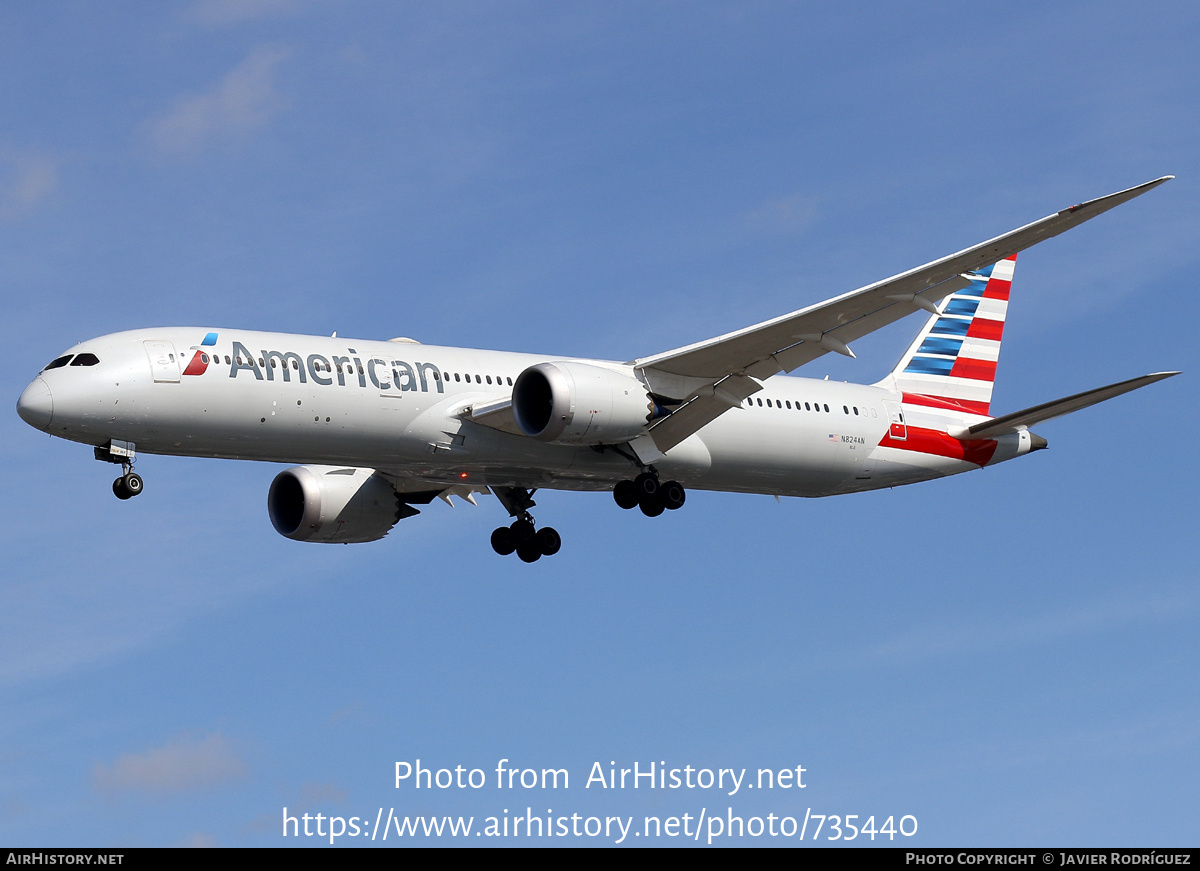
[(503, 541), (646, 486), (652, 507), (528, 552), (673, 495), (119, 490), (626, 494), (133, 483), (523, 532), (548, 541)]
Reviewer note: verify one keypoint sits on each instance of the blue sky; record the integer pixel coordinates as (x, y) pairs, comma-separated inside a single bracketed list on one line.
[(1009, 656)]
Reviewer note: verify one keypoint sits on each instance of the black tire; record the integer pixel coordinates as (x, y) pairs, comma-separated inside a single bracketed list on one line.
[(119, 490), (626, 494), (647, 486), (523, 532), (133, 483), (548, 540), (503, 541), (528, 552), (652, 507), (673, 495)]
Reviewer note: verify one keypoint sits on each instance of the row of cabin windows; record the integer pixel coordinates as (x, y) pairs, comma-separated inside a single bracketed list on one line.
[(814, 406), (349, 370)]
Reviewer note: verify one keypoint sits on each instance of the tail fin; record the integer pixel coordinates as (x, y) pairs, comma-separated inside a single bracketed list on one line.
[(952, 362)]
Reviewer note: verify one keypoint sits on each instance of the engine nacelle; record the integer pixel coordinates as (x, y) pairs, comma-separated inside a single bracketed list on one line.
[(577, 403), (333, 504)]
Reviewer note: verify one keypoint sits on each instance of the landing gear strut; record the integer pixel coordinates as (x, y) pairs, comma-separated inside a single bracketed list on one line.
[(651, 495), (529, 542)]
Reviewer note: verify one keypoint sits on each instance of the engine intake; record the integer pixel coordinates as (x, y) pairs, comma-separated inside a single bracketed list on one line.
[(333, 505), (577, 403)]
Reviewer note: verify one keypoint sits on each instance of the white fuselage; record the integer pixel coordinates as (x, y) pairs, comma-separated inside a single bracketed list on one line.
[(399, 407)]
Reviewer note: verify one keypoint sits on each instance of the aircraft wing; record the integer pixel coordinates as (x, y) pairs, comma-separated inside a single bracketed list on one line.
[(712, 376), (1049, 410)]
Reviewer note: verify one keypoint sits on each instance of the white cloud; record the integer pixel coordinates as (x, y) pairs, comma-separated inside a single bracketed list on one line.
[(26, 179), (242, 102), (180, 765)]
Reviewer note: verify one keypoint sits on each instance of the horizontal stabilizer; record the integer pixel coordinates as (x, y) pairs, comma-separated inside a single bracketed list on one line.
[(1048, 410)]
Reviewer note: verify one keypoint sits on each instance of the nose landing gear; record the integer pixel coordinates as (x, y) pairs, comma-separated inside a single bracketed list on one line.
[(128, 485), (122, 454), (651, 495)]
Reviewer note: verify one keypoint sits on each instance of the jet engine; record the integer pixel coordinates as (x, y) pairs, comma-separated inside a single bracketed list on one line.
[(577, 403), (334, 505)]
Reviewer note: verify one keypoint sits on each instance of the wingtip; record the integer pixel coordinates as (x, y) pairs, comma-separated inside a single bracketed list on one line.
[(1115, 199)]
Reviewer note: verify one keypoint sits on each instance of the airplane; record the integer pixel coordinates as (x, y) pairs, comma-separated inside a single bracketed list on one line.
[(380, 427)]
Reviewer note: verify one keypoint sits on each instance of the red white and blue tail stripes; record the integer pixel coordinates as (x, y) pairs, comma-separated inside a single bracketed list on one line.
[(952, 363)]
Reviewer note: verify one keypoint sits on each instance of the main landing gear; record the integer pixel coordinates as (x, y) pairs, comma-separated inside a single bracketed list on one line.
[(522, 537), (651, 495)]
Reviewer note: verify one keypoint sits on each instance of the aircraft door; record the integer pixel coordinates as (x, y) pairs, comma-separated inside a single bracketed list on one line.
[(897, 429), (164, 362)]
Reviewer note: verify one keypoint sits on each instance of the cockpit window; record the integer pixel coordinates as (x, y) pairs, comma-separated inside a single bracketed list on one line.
[(85, 360), (61, 361)]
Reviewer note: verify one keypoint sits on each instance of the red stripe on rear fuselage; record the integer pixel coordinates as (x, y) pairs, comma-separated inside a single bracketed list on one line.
[(932, 441)]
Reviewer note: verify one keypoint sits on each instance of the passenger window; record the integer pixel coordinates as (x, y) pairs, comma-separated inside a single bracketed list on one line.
[(477, 381), (845, 409), (760, 403), (489, 379), (510, 382), (59, 362), (788, 402), (827, 408), (204, 358), (85, 360)]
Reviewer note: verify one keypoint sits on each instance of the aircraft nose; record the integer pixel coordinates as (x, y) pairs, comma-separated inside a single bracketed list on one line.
[(36, 405)]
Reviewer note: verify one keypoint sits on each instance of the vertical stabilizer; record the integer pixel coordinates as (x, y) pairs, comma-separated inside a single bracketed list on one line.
[(952, 362)]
